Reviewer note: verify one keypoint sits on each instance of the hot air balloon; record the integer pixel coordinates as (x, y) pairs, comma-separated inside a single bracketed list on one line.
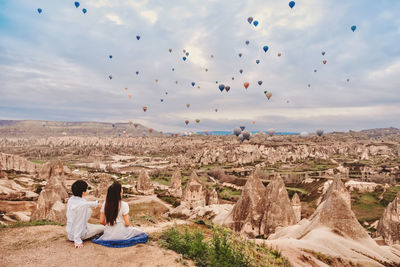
[(193, 83), (259, 82), (250, 20), (320, 132), (110, 76), (144, 108), (240, 54), (315, 70), (324, 61), (268, 95), (255, 23), (227, 88), (258, 61), (39, 10), (265, 48), (247, 42), (309, 85), (170, 50), (173, 69), (84, 10), (246, 85), (242, 127), (246, 135), (221, 87), (166, 93), (206, 70), (138, 37), (303, 134), (162, 100), (113, 125), (253, 122), (187, 54), (156, 80), (212, 56), (77, 4), (198, 86), (126, 88), (150, 130), (348, 80), (265, 92), (237, 131), (291, 4), (197, 120), (184, 51), (184, 58), (241, 137), (233, 78), (130, 96), (241, 71), (323, 53), (353, 28), (110, 56), (176, 82), (271, 132), (279, 54), (186, 122), (137, 72), (188, 105), (216, 110), (124, 132)]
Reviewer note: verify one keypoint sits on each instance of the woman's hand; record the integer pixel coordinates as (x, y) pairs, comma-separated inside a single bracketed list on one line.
[(126, 220), (102, 218)]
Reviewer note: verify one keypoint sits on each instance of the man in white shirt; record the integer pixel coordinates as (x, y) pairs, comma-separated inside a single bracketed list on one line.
[(78, 214)]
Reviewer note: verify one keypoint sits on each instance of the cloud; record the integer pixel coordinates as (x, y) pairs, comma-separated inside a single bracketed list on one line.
[(114, 18)]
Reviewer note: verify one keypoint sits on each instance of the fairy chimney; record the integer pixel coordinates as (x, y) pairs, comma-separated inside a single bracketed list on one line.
[(144, 185), (212, 197), (193, 195), (175, 189), (296, 205), (389, 224)]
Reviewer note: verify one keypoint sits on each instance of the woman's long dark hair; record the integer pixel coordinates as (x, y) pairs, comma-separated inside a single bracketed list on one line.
[(111, 207)]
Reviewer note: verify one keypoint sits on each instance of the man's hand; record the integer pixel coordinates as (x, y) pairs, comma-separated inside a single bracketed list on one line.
[(79, 245)]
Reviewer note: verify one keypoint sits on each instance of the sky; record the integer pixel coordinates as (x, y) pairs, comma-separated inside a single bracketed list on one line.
[(56, 66)]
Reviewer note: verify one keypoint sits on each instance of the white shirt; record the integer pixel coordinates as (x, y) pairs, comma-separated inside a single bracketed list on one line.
[(78, 213), (122, 211)]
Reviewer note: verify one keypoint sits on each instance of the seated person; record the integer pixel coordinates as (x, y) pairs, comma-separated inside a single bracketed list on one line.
[(115, 216), (78, 214)]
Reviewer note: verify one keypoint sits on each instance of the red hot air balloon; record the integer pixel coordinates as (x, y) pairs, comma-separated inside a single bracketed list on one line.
[(246, 85)]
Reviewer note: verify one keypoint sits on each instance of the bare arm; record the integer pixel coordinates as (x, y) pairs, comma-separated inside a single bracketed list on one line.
[(102, 218), (126, 220)]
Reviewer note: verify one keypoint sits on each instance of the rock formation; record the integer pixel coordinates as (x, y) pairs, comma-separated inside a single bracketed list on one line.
[(212, 197), (144, 185), (2, 174), (278, 211), (51, 169), (51, 203), (16, 163), (193, 195), (249, 209), (296, 205), (175, 189), (12, 191), (103, 182), (389, 224)]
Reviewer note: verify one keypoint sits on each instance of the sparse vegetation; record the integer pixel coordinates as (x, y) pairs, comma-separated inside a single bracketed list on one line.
[(219, 247), (34, 223)]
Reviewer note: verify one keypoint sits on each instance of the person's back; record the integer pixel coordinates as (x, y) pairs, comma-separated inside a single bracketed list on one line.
[(78, 213)]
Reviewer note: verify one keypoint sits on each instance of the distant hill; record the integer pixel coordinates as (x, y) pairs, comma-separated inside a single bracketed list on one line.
[(32, 128), (379, 132)]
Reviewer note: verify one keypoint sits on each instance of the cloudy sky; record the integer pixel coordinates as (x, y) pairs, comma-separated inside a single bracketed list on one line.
[(55, 65)]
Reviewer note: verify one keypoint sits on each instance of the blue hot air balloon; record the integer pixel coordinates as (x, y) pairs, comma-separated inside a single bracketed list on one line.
[(255, 23), (291, 4), (242, 127), (39, 10), (216, 82), (84, 10), (138, 37), (193, 83), (221, 87), (184, 58), (258, 61), (110, 56), (187, 54), (77, 4), (259, 83), (250, 20), (353, 28), (110, 76), (233, 78), (240, 54), (241, 71), (173, 69), (137, 72), (265, 48), (166, 93), (247, 42), (315, 70), (162, 100)]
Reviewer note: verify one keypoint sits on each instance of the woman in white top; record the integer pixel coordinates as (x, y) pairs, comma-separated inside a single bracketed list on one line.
[(115, 216)]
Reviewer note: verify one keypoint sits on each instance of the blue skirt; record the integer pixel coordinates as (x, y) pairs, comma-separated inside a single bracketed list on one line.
[(122, 243)]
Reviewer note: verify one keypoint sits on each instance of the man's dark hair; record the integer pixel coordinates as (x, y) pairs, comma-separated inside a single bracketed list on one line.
[(79, 187)]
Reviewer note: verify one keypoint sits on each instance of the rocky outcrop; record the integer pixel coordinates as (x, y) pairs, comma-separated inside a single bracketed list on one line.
[(193, 194), (103, 181), (144, 185), (249, 209), (51, 169), (10, 190), (2, 174), (51, 202), (296, 205), (278, 211), (16, 163), (212, 197), (175, 189), (389, 224)]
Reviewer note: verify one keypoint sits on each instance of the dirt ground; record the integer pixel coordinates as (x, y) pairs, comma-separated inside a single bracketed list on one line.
[(47, 245)]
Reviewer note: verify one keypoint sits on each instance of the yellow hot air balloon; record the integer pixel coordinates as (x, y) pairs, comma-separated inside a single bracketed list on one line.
[(170, 50), (126, 88), (197, 120), (268, 95)]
